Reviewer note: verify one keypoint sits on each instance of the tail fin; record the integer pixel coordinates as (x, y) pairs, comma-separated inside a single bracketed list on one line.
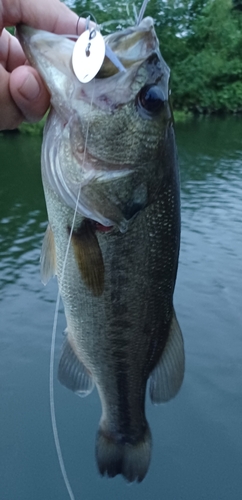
[(131, 460)]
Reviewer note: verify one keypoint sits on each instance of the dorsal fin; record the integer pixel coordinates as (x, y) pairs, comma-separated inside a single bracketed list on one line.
[(167, 376), (48, 257)]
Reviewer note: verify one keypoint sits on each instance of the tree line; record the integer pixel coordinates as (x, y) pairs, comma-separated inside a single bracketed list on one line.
[(201, 40)]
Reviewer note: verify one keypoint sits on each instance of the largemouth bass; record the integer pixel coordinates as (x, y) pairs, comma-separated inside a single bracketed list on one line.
[(111, 183)]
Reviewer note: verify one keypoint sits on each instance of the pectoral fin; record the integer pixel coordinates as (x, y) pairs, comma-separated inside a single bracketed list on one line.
[(167, 377), (89, 257), (48, 257), (72, 373)]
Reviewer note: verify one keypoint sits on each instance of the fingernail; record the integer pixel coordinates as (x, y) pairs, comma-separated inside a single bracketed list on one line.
[(30, 88)]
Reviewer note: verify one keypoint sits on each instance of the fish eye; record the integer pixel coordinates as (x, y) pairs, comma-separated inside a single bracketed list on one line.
[(151, 99)]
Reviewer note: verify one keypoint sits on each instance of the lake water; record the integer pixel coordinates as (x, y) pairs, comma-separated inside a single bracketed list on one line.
[(197, 437)]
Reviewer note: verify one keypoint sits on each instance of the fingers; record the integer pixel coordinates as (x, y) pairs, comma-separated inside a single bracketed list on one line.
[(23, 95), (29, 93), (10, 115), (11, 53), (47, 15)]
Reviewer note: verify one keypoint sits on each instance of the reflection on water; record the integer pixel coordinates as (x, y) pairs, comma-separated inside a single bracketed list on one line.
[(197, 437)]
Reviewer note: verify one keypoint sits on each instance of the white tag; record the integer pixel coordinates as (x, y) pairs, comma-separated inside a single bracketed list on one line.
[(88, 55)]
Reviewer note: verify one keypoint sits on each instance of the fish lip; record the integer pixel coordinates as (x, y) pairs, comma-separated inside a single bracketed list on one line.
[(139, 43)]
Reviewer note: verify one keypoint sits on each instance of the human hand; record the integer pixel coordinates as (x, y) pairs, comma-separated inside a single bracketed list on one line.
[(23, 95)]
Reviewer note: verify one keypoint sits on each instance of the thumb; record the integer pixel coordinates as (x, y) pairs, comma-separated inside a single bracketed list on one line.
[(29, 93)]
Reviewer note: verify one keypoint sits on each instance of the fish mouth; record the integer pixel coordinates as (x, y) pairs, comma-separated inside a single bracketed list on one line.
[(105, 187), (131, 46)]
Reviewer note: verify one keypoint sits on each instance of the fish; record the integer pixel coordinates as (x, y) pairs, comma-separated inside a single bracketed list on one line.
[(111, 182)]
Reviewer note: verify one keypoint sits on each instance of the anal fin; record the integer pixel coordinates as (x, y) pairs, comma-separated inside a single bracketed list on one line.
[(166, 378), (72, 373)]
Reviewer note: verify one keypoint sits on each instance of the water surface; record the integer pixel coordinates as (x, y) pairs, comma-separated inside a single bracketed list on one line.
[(197, 442)]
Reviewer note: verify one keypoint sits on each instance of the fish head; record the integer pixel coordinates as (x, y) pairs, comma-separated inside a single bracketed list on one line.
[(104, 140)]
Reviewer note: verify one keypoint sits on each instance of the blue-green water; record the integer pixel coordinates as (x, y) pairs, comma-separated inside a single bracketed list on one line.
[(197, 439)]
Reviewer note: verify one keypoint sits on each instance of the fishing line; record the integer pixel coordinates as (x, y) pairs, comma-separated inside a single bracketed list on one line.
[(54, 328), (142, 11), (53, 336), (88, 18)]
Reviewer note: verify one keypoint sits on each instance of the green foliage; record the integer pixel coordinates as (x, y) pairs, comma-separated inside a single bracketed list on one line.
[(237, 4), (182, 116), (204, 55), (11, 30), (33, 128), (201, 40)]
